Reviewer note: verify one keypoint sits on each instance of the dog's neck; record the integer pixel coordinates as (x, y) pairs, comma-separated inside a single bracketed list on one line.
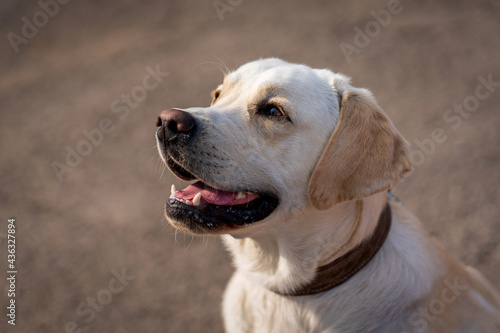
[(283, 256)]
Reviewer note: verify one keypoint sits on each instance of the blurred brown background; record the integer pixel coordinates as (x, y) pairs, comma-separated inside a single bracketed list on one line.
[(71, 72)]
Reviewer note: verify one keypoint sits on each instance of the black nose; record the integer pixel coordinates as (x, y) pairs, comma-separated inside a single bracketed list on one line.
[(174, 122)]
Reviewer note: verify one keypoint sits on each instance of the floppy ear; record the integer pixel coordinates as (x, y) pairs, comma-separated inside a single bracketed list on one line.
[(365, 153)]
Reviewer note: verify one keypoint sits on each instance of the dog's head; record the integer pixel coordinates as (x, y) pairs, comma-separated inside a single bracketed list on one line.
[(276, 138)]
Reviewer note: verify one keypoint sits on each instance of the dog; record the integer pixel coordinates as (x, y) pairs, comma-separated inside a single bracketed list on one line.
[(293, 167)]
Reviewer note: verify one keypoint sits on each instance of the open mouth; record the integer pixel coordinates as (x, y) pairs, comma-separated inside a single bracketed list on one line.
[(201, 208)]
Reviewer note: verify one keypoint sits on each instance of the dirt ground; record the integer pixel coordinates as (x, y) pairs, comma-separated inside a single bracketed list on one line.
[(79, 94)]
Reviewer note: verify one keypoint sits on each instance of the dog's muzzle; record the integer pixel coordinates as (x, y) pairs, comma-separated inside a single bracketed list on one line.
[(203, 207)]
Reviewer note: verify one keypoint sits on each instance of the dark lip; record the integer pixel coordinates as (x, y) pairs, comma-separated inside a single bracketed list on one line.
[(218, 219), (178, 169)]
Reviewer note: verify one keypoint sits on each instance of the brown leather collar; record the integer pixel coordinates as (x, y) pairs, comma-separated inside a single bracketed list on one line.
[(341, 269)]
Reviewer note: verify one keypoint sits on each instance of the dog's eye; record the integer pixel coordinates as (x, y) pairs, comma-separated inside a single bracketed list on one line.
[(271, 110), (215, 95)]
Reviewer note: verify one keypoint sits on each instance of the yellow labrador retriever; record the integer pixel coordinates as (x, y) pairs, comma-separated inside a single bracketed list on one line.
[(293, 166)]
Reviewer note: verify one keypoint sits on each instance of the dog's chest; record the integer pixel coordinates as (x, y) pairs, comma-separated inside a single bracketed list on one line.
[(249, 308)]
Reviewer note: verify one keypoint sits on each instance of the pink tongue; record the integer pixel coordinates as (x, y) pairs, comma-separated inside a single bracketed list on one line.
[(213, 196)]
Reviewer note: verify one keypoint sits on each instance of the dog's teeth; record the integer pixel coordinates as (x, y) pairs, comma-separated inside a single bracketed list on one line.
[(173, 190), (241, 195), (189, 202), (197, 199)]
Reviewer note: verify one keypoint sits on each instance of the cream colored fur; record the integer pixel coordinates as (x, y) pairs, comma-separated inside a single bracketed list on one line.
[(339, 153)]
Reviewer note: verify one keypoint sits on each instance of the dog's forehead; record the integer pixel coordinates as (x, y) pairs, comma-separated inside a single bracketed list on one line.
[(260, 66), (273, 73)]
